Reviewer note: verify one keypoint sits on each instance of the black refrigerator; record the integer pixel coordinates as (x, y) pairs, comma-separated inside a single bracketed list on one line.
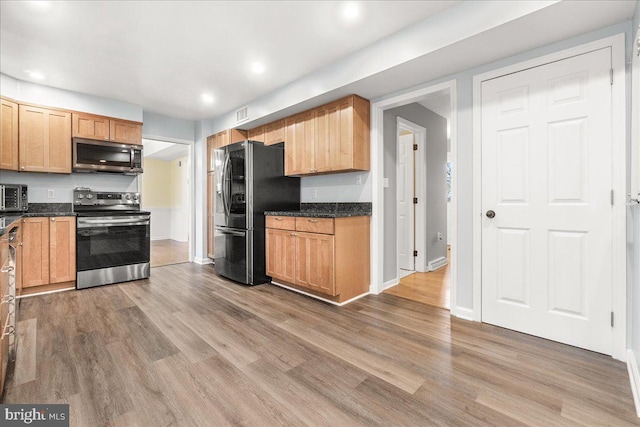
[(249, 180)]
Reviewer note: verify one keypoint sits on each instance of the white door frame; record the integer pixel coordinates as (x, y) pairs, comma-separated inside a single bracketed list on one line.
[(192, 187), (619, 176), (420, 174), (377, 179)]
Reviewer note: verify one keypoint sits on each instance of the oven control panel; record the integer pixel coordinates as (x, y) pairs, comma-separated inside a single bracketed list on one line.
[(87, 197)]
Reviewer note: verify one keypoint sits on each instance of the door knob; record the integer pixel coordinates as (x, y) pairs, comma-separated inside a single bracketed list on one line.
[(490, 214)]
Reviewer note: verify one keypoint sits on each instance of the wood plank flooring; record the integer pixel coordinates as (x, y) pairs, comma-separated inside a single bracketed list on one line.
[(167, 252), (187, 347), (428, 288)]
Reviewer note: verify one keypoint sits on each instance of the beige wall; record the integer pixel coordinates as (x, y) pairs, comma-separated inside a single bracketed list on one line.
[(161, 183)]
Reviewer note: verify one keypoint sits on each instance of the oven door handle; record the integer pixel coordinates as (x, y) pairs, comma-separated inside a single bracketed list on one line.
[(232, 232), (88, 223)]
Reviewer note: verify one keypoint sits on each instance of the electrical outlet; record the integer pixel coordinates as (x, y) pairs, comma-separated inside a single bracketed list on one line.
[(385, 182), (314, 194), (51, 194), (440, 236), (358, 179)]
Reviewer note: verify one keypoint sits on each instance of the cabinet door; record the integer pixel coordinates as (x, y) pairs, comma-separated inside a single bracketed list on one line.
[(256, 134), (211, 145), (9, 136), (222, 139), (298, 144), (281, 253), (334, 136), (125, 132), (44, 140), (315, 263), (62, 249), (274, 132), (210, 214), (35, 252), (89, 126)]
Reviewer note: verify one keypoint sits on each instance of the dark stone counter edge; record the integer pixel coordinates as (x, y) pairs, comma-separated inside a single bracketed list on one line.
[(10, 218), (308, 214)]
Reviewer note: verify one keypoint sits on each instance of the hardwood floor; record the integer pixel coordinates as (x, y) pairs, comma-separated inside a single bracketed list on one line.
[(166, 252), (187, 347), (428, 288)]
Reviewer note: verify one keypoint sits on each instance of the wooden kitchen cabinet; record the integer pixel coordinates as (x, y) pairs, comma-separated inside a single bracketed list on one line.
[(281, 254), (336, 141), (89, 126), (256, 134), (9, 135), (125, 132), (299, 144), (274, 132), (211, 146), (327, 257), (48, 251), (44, 140), (230, 136)]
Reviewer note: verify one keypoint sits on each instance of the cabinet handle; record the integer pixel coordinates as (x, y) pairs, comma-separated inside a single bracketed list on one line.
[(8, 298), (22, 168), (12, 331), (7, 269), (53, 219), (312, 220), (278, 219), (292, 234)]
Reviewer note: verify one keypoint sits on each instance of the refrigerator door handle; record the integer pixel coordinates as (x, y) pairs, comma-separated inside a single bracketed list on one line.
[(231, 232), (225, 204)]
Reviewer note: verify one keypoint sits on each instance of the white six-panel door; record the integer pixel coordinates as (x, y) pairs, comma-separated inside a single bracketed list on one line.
[(547, 175), (406, 208)]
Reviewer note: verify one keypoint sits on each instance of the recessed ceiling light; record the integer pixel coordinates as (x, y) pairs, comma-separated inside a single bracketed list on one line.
[(351, 11), (207, 98), (257, 67), (34, 74)]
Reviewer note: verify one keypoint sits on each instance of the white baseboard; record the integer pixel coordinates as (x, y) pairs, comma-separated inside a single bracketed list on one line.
[(390, 284), (463, 313), (202, 261), (437, 263), (634, 378), (154, 238)]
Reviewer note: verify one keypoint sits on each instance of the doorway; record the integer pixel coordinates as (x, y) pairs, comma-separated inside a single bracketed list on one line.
[(418, 174), (166, 193)]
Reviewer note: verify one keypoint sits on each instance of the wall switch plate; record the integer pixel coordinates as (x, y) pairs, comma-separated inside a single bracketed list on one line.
[(51, 194), (385, 182), (314, 194), (358, 179)]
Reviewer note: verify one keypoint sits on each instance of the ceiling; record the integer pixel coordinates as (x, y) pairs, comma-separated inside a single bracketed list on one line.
[(164, 56), (438, 102), (165, 151)]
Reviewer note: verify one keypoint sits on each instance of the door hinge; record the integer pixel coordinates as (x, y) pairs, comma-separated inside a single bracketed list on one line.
[(415, 200), (612, 197), (612, 319), (415, 147), (611, 75), (415, 253)]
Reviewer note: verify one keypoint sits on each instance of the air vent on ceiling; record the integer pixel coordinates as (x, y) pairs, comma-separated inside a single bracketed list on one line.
[(242, 115)]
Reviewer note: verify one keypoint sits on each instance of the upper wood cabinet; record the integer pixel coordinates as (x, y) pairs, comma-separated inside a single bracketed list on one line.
[(338, 142), (299, 144), (274, 132), (44, 140), (90, 126), (9, 135), (211, 146), (48, 251), (104, 128), (229, 136), (256, 134)]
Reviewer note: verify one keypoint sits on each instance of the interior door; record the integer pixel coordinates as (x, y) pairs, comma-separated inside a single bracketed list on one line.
[(406, 207), (546, 190)]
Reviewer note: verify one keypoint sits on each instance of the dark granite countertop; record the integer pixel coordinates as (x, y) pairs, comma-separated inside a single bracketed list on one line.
[(327, 210), (36, 210)]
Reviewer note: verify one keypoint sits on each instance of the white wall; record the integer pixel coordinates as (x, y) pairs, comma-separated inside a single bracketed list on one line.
[(342, 187), (165, 128)]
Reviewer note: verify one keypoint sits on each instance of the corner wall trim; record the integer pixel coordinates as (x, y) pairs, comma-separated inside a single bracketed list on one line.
[(202, 261), (634, 378), (464, 313), (389, 284)]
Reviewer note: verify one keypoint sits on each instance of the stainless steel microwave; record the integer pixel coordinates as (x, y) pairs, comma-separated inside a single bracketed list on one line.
[(13, 198), (102, 156)]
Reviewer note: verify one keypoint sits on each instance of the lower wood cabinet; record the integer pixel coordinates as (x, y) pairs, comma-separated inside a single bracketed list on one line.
[(328, 257), (48, 251)]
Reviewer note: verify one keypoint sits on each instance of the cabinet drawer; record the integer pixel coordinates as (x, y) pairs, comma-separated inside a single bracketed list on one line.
[(281, 222), (315, 225)]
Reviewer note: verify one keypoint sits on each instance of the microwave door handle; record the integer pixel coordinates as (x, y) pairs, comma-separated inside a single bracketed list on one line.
[(2, 203), (133, 156)]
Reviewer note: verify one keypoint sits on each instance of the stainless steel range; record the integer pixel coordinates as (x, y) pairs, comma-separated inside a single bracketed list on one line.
[(112, 238)]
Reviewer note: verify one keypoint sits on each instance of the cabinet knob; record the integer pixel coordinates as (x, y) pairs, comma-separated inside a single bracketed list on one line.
[(53, 219), (278, 219), (21, 168), (312, 220)]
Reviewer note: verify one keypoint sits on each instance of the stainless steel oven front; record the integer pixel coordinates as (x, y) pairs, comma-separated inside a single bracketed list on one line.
[(112, 248)]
